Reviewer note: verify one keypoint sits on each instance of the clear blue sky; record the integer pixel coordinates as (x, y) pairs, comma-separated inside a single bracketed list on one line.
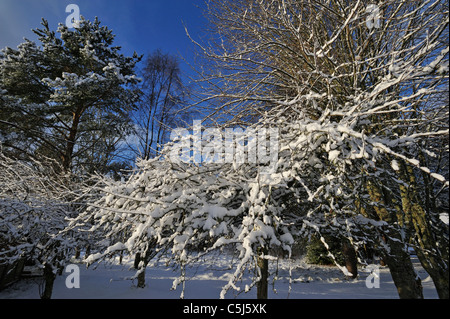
[(139, 25)]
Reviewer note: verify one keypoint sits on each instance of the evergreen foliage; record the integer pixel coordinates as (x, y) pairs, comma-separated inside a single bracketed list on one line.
[(68, 99)]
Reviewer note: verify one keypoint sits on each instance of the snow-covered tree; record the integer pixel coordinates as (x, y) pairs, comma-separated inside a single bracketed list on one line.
[(68, 99), (34, 207), (372, 80), (171, 207)]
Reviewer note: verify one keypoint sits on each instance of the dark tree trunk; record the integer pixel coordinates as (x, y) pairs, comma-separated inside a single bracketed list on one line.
[(432, 257), (395, 256), (141, 279), (77, 252), (262, 285), (351, 260), (438, 271), (88, 251), (70, 139), (137, 260), (141, 276), (49, 279), (402, 271)]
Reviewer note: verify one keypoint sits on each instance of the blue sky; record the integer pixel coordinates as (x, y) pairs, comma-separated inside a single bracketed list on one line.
[(139, 25)]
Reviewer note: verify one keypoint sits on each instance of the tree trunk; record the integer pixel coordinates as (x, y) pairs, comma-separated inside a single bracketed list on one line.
[(77, 253), (405, 278), (351, 260), (263, 284), (71, 138), (141, 279), (137, 260), (437, 271), (141, 267), (49, 278), (430, 255), (395, 256), (88, 251)]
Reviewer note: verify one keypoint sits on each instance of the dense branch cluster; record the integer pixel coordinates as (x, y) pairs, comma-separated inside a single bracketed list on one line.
[(34, 206)]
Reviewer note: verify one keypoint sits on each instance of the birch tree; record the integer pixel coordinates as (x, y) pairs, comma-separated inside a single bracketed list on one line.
[(161, 104)]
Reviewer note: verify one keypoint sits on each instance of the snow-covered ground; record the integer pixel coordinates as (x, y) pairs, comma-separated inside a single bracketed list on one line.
[(205, 281)]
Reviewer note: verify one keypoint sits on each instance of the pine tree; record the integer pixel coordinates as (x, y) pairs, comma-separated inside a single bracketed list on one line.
[(64, 98)]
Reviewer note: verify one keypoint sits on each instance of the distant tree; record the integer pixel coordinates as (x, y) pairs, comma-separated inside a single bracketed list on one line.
[(67, 99), (162, 105)]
